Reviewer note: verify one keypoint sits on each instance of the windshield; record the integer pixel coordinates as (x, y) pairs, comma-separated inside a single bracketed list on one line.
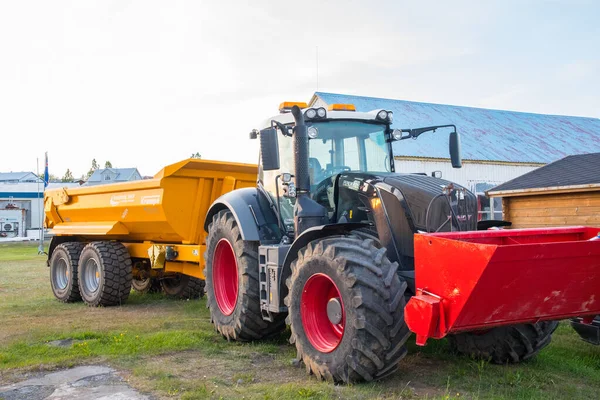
[(347, 146)]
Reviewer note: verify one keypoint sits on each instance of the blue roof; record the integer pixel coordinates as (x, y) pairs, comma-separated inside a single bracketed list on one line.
[(488, 135)]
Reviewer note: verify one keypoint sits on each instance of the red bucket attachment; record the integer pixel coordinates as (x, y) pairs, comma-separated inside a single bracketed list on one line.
[(481, 279)]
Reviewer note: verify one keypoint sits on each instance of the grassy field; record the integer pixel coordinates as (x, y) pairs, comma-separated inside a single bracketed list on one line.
[(169, 349)]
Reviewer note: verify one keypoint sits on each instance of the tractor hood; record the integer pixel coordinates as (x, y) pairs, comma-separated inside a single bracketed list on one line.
[(397, 206)]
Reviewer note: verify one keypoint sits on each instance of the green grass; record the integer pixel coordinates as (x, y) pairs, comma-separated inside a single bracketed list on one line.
[(170, 349)]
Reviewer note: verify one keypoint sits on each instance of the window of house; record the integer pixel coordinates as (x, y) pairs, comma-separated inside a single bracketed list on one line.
[(107, 177)]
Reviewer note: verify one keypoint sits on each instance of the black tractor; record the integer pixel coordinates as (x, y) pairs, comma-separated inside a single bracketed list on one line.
[(324, 244)]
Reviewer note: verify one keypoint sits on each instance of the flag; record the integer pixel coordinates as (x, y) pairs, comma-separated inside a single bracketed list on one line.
[(46, 175)]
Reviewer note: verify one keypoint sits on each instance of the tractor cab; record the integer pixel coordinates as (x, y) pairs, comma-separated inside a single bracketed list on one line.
[(340, 140), (346, 150)]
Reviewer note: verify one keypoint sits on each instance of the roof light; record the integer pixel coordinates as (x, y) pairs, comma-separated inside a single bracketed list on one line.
[(341, 107), (382, 114), (286, 106), (315, 113)]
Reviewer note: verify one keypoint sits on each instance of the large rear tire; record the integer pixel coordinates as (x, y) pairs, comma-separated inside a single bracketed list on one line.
[(505, 344), (346, 310), (63, 271), (181, 286), (232, 288), (105, 274)]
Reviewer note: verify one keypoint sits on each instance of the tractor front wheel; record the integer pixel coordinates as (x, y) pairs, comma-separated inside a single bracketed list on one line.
[(505, 344), (346, 309)]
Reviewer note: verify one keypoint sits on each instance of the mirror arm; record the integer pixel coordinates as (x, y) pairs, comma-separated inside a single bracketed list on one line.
[(284, 129)]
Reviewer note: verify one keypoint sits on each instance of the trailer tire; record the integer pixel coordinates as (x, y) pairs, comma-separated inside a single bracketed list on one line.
[(147, 285), (505, 344), (105, 274), (232, 286), (182, 286), (370, 335), (63, 271)]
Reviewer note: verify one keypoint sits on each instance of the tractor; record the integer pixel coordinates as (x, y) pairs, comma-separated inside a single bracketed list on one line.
[(325, 244)]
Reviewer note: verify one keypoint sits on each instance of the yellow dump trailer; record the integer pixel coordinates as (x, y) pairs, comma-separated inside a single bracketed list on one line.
[(158, 222)]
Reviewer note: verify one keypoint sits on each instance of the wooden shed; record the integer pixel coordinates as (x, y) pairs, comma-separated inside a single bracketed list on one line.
[(565, 192)]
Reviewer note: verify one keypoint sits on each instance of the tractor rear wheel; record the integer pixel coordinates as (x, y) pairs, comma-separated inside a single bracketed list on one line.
[(104, 274), (346, 309), (182, 286), (63, 271), (505, 344), (232, 288)]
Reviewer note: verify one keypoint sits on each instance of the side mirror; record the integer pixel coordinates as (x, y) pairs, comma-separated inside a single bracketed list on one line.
[(269, 149), (454, 142)]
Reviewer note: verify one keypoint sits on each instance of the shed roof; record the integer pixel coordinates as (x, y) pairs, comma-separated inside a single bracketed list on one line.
[(487, 135), (579, 171)]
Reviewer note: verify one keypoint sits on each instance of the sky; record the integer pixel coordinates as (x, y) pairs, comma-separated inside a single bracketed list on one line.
[(147, 83)]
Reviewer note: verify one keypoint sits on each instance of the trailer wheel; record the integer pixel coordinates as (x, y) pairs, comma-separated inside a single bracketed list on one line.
[(104, 274), (146, 285), (182, 286), (505, 344), (63, 271), (346, 309), (232, 289)]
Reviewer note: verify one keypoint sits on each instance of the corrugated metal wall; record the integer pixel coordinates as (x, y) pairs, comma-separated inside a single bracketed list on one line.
[(469, 174)]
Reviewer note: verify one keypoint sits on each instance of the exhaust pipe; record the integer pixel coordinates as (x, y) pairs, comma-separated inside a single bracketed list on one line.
[(307, 212), (300, 138)]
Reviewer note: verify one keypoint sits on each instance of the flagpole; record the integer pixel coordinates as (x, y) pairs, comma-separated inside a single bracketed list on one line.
[(37, 166), (46, 180)]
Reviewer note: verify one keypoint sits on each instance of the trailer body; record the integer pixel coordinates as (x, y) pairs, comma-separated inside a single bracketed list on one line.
[(150, 216)]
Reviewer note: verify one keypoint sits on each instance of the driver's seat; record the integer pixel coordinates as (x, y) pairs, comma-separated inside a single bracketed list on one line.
[(314, 170)]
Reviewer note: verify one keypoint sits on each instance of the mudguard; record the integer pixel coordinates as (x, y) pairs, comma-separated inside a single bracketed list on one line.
[(318, 232), (257, 222)]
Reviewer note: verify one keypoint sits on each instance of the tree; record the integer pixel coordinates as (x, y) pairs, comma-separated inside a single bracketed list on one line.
[(95, 166), (196, 155), (108, 164), (68, 177)]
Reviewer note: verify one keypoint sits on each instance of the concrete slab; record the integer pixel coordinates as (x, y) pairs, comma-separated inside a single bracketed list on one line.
[(93, 382)]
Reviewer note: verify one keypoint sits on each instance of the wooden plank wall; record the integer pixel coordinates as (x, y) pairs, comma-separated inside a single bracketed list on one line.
[(561, 209)]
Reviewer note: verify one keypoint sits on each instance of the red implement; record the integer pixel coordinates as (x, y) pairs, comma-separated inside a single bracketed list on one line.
[(477, 280)]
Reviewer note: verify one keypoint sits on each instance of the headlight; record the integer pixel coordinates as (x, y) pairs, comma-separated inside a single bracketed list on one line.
[(321, 112), (390, 116), (310, 113), (397, 133), (382, 114), (313, 132)]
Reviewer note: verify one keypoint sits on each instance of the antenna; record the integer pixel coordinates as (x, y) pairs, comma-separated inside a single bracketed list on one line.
[(317, 68)]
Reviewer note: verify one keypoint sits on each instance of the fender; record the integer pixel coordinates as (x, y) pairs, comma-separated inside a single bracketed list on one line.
[(314, 233), (257, 222)]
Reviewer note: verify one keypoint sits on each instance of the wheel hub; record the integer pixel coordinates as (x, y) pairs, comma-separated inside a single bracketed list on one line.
[(334, 311), (322, 313), (225, 277)]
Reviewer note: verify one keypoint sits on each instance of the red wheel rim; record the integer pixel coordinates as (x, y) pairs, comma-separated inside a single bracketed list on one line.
[(225, 277), (324, 335)]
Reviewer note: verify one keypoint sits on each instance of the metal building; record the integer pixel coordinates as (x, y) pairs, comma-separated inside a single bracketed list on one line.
[(497, 145)]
